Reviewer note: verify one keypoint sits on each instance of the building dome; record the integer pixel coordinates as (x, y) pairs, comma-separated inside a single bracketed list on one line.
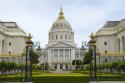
[(61, 24)]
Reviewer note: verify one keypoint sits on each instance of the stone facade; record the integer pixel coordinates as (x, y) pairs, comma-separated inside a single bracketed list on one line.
[(12, 42), (111, 41)]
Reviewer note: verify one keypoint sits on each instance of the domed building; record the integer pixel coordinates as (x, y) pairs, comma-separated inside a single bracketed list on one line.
[(61, 49), (61, 46)]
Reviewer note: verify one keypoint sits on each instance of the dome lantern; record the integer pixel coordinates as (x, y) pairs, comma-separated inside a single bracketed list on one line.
[(61, 14)]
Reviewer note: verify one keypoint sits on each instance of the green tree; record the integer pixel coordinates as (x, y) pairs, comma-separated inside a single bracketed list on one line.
[(35, 58), (86, 59)]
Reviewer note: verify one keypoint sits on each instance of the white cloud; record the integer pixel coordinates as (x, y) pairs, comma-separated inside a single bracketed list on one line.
[(37, 16)]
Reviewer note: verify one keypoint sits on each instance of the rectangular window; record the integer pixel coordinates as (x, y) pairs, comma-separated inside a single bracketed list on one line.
[(9, 53), (105, 51), (61, 66), (66, 66), (55, 66), (56, 36), (9, 43), (105, 43)]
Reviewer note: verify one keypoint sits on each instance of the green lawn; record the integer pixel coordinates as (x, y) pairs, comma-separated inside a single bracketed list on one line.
[(73, 77)]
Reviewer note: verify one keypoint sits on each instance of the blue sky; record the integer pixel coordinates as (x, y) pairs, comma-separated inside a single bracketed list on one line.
[(85, 16)]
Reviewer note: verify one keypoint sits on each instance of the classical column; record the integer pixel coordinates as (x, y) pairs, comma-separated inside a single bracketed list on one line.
[(52, 58), (52, 55), (64, 55), (69, 55), (70, 65), (58, 55), (58, 65)]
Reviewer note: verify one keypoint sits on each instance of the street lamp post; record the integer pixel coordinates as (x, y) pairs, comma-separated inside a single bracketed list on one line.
[(28, 66), (99, 68), (85, 46), (82, 53), (98, 54), (93, 70)]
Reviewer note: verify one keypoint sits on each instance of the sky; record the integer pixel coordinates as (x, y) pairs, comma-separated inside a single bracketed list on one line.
[(85, 16)]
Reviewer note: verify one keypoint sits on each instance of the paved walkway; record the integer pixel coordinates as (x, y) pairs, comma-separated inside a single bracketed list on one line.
[(60, 72)]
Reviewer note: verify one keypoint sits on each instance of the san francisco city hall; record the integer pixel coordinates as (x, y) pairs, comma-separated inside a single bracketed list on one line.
[(61, 49)]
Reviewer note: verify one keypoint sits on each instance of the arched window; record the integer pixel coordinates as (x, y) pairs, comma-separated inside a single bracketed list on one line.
[(2, 43), (123, 43), (2, 46)]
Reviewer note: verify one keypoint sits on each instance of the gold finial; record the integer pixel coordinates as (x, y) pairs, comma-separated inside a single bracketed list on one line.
[(61, 14), (29, 37), (92, 36), (92, 40), (28, 40)]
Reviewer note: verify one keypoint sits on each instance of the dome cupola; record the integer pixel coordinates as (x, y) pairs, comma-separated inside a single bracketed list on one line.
[(61, 24)]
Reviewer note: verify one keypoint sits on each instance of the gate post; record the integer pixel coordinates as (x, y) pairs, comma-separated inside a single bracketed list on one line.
[(93, 69), (28, 65)]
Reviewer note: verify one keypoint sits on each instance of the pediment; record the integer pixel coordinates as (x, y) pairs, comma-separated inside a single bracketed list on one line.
[(62, 44)]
